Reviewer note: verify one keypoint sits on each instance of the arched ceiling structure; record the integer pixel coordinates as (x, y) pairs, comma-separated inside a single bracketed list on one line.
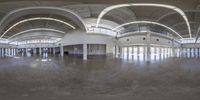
[(75, 12)]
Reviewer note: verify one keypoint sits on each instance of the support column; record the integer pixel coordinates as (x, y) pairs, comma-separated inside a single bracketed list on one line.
[(50, 50), (14, 51), (26, 51), (84, 51), (40, 51), (3, 51), (34, 51), (116, 51), (61, 51), (54, 50), (148, 47), (173, 48), (138, 50)]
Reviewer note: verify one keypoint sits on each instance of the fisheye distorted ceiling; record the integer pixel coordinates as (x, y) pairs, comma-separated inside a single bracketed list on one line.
[(91, 9)]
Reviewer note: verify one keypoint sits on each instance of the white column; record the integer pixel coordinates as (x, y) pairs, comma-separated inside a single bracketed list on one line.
[(127, 53), (40, 51), (9, 51), (50, 50), (84, 51), (14, 51), (173, 48), (148, 47), (3, 51), (26, 50), (117, 51), (34, 50), (61, 51), (138, 50), (54, 50)]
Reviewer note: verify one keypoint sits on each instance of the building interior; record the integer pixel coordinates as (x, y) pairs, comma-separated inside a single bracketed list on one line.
[(99, 50)]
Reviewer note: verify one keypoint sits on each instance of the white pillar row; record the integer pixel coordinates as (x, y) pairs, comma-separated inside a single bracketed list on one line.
[(84, 51), (148, 42), (61, 51)]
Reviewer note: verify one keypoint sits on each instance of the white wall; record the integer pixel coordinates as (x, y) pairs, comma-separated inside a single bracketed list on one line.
[(96, 49), (191, 45), (137, 39), (104, 23), (7, 46), (80, 37), (36, 45), (131, 40)]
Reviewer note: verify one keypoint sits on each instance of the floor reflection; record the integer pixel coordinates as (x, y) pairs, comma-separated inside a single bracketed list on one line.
[(51, 77)]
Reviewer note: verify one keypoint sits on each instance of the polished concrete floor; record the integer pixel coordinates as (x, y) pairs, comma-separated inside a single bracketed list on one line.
[(71, 78)]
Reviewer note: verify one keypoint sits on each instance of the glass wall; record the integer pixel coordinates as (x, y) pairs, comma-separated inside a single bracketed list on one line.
[(139, 52), (190, 52)]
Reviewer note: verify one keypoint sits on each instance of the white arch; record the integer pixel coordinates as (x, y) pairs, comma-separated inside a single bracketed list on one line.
[(37, 18), (148, 22), (37, 29), (43, 7), (178, 10)]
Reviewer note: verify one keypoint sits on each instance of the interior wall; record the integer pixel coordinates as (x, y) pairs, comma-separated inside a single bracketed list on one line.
[(96, 49), (141, 39), (7, 46), (93, 49), (36, 45), (190, 45), (79, 37), (74, 49)]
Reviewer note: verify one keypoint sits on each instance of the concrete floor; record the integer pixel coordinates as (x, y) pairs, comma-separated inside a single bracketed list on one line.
[(70, 78)]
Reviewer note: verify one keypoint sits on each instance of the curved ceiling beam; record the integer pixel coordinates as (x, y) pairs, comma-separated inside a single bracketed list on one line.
[(43, 9), (148, 22), (36, 18), (171, 13), (36, 29), (178, 10), (182, 23), (33, 36), (197, 37)]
